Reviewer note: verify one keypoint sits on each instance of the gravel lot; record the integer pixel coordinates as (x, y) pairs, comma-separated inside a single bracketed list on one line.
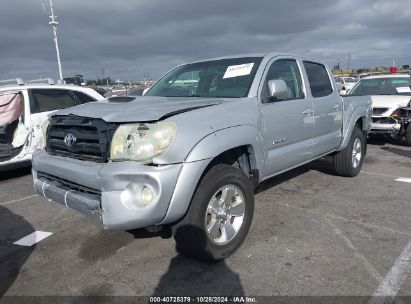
[(313, 234)]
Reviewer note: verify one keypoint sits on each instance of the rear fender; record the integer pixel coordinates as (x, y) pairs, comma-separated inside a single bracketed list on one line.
[(360, 114)]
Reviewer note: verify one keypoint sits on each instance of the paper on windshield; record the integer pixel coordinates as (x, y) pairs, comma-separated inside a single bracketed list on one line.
[(403, 89), (238, 70)]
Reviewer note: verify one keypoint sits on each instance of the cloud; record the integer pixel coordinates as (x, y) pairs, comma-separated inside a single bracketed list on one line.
[(129, 38)]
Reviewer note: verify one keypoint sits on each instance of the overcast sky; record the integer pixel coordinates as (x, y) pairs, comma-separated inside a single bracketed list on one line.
[(129, 38)]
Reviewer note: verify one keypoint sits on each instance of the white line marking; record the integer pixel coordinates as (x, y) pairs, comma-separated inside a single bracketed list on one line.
[(398, 179), (18, 200), (379, 174), (404, 179), (33, 238), (393, 281), (370, 268)]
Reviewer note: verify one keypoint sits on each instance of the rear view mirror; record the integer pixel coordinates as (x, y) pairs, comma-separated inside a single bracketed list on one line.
[(277, 89)]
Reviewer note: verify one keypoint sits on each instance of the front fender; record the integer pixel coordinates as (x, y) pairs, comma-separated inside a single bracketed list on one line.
[(226, 139), (200, 157)]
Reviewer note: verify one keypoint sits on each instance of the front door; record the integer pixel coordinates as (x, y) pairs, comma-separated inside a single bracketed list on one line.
[(287, 122)]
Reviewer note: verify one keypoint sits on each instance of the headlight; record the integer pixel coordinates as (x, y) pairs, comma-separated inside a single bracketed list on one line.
[(44, 128), (142, 142)]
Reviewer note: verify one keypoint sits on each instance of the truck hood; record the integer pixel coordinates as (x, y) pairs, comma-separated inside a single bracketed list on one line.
[(390, 101), (139, 109)]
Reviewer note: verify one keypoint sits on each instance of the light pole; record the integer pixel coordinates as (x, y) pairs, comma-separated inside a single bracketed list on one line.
[(54, 24)]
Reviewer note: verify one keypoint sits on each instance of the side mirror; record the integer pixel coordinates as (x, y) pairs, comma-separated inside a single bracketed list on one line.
[(277, 89), (145, 91), (343, 92)]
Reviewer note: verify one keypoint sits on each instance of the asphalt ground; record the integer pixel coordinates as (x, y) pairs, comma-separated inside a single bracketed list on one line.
[(313, 234)]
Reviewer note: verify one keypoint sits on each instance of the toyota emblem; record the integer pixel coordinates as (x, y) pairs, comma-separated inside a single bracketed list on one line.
[(69, 140)]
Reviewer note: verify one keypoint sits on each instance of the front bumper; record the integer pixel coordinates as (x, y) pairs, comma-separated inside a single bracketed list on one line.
[(96, 189), (384, 125), (385, 128)]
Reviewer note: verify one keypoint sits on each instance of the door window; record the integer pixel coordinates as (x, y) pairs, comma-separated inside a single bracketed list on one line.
[(83, 98), (50, 100), (287, 70), (318, 78)]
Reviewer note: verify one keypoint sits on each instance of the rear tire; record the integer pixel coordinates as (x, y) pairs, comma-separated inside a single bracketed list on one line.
[(219, 216), (348, 162), (408, 135)]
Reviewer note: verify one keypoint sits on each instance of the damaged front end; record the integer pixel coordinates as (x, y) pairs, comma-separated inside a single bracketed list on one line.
[(13, 133)]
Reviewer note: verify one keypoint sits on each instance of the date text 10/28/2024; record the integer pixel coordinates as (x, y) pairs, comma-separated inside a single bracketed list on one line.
[(205, 299)]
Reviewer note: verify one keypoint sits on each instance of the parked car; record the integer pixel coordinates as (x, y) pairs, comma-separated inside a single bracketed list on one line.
[(345, 84), (23, 110), (191, 160), (135, 91), (100, 90), (116, 91), (388, 93)]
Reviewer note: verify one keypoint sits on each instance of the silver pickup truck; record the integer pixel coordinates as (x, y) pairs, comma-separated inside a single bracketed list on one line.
[(189, 154)]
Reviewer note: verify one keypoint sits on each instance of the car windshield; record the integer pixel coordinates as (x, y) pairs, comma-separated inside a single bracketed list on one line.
[(229, 78), (383, 86)]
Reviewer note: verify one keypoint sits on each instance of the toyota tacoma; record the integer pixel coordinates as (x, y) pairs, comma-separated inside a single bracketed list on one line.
[(189, 154)]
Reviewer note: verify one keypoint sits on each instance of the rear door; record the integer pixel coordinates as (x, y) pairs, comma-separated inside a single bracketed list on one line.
[(327, 105), (287, 123)]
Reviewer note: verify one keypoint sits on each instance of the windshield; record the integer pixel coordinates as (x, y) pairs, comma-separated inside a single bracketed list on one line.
[(383, 86), (217, 78)]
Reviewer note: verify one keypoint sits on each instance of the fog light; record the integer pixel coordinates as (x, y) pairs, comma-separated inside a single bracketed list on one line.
[(136, 196), (146, 195)]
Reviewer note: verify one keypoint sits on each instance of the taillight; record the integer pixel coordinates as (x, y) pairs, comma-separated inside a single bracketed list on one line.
[(396, 113)]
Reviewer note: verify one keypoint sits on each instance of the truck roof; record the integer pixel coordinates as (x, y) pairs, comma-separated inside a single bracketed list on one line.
[(268, 54), (39, 86)]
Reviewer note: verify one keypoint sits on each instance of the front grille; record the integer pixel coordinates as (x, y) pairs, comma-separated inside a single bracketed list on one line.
[(92, 138), (379, 111)]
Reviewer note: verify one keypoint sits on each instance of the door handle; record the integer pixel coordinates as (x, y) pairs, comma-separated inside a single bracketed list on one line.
[(336, 107), (308, 112)]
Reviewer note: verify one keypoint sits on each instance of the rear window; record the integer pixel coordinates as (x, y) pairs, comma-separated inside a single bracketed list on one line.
[(318, 78), (50, 100)]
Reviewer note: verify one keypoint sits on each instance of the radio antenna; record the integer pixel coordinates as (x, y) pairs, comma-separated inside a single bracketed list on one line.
[(53, 22)]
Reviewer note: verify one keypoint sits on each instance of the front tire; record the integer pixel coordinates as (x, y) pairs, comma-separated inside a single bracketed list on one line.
[(219, 216), (348, 162)]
